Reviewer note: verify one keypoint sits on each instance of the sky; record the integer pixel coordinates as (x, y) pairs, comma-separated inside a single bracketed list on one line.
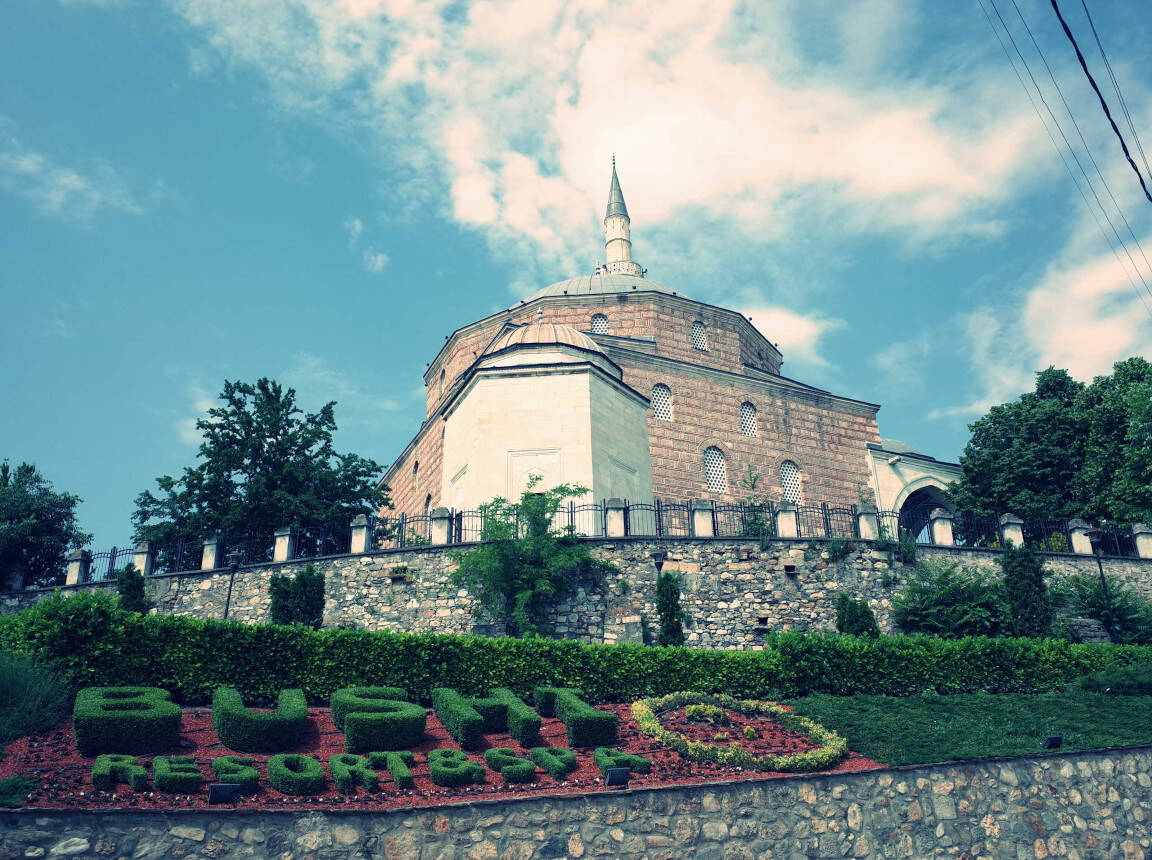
[(194, 191)]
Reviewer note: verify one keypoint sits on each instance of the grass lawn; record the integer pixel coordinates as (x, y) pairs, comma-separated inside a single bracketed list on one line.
[(932, 728)]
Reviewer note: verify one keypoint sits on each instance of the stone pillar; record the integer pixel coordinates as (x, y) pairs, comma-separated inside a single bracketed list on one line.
[(441, 526), (211, 557), (787, 525), (703, 523), (1010, 528), (15, 580), (1081, 542), (1142, 534), (361, 534), (614, 517), (867, 522), (285, 544), (143, 559), (940, 520), (79, 564)]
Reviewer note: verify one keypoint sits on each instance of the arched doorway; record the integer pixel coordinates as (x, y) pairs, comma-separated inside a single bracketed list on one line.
[(916, 511)]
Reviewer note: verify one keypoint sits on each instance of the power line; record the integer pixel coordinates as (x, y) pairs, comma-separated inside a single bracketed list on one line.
[(1100, 96)]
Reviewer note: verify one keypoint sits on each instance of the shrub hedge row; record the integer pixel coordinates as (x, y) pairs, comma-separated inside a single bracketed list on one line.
[(452, 768), (586, 726), (378, 718), (237, 769), (509, 765), (245, 730), (124, 720), (292, 773), (91, 643)]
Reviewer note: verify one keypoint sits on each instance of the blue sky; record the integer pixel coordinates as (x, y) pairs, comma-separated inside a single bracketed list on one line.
[(200, 190)]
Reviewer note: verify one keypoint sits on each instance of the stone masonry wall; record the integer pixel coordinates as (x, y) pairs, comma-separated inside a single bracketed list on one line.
[(732, 590), (1080, 806)]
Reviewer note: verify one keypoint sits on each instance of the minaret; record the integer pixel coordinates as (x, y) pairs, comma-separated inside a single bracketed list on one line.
[(618, 233)]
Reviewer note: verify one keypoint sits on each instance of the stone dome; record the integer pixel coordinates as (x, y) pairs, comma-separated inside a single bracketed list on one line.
[(591, 285), (542, 333)]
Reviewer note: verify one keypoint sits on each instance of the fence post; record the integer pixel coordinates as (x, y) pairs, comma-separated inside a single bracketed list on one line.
[(1011, 529), (285, 547), (614, 518), (360, 534), (144, 560), (786, 522), (867, 522), (703, 522), (940, 522), (1078, 533), (210, 558), (79, 565), (1142, 535), (441, 519)]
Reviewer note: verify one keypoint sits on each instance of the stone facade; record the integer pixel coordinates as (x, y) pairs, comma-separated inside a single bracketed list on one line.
[(1079, 806), (734, 591)]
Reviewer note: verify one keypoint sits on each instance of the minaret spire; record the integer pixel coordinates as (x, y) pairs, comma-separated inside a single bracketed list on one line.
[(618, 232)]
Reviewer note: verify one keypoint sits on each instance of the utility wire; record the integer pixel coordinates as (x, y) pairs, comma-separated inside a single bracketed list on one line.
[(1100, 96)]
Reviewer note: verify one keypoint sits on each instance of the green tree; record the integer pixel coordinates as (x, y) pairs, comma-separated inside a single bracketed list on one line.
[(948, 600), (1029, 608), (668, 610), (132, 590), (297, 599), (855, 617), (264, 464), (37, 527), (525, 564)]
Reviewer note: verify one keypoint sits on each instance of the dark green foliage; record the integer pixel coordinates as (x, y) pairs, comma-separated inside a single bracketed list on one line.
[(669, 611), (245, 730), (125, 719), (14, 791), (906, 547), (37, 527), (378, 718), (1127, 614), (838, 549), (452, 768), (398, 765), (1135, 680), (467, 718), (352, 771), (32, 699), (509, 765), (458, 715), (264, 464), (606, 757), (1029, 609), (110, 769), (948, 600), (297, 599), (177, 774), (587, 727), (526, 565), (237, 769), (558, 761), (522, 722), (855, 617), (364, 699), (291, 773), (133, 593)]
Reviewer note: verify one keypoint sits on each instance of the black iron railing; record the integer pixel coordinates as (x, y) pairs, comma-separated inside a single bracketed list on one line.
[(105, 564)]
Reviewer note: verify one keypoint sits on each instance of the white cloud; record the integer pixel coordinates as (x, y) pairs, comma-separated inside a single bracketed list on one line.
[(201, 400), (374, 261), (902, 364), (796, 335), (316, 384), (354, 227)]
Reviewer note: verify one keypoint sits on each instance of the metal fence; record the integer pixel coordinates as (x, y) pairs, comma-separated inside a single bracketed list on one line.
[(1114, 540), (319, 540), (402, 532), (182, 554), (741, 520), (977, 531), (662, 518), (105, 564), (247, 549), (826, 521), (1047, 535)]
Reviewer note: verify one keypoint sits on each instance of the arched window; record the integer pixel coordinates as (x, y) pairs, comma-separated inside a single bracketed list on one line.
[(715, 472), (415, 471), (441, 392), (599, 324), (790, 481), (699, 336), (661, 402), (427, 504), (748, 419)]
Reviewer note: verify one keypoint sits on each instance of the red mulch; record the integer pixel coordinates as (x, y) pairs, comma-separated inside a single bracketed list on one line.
[(63, 782)]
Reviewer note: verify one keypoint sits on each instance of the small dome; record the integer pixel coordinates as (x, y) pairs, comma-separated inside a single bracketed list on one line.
[(590, 285), (543, 333)]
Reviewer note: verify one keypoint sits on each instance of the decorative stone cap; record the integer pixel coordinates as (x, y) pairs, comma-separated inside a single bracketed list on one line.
[(941, 514), (702, 504), (440, 513), (1141, 529), (1079, 525), (614, 503), (1010, 520)]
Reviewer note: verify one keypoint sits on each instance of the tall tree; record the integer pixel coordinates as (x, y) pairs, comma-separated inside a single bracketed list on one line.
[(37, 527), (264, 464)]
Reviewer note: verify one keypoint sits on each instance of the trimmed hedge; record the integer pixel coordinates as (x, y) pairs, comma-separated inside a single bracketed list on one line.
[(460, 717), (292, 773), (124, 720), (522, 722), (398, 764), (586, 726), (558, 761), (509, 765), (245, 730), (378, 718), (91, 642), (606, 757), (238, 770), (363, 700), (452, 768), (177, 774), (110, 769), (467, 719), (352, 771)]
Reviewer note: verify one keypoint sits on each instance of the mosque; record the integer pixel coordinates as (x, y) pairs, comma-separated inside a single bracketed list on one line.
[(636, 391)]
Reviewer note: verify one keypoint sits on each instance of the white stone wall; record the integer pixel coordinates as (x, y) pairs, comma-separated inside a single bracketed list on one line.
[(621, 459), (896, 481)]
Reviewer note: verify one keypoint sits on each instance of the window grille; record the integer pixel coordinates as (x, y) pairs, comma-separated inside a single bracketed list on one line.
[(699, 336), (662, 402), (748, 419), (715, 472), (790, 481), (599, 324)]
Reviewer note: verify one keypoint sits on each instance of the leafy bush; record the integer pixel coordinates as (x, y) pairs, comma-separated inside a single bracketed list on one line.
[(292, 773), (948, 600), (398, 764), (1133, 680), (238, 770), (245, 730), (352, 771), (1126, 615), (132, 590), (557, 761), (509, 765), (606, 757), (125, 720), (452, 768), (32, 699), (378, 718), (110, 769), (669, 611), (855, 617), (14, 791), (1029, 609), (522, 722), (587, 727), (297, 599), (177, 774), (462, 721), (707, 713)]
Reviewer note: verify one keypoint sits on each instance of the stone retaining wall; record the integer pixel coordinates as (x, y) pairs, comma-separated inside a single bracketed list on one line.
[(732, 590), (1077, 806)]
